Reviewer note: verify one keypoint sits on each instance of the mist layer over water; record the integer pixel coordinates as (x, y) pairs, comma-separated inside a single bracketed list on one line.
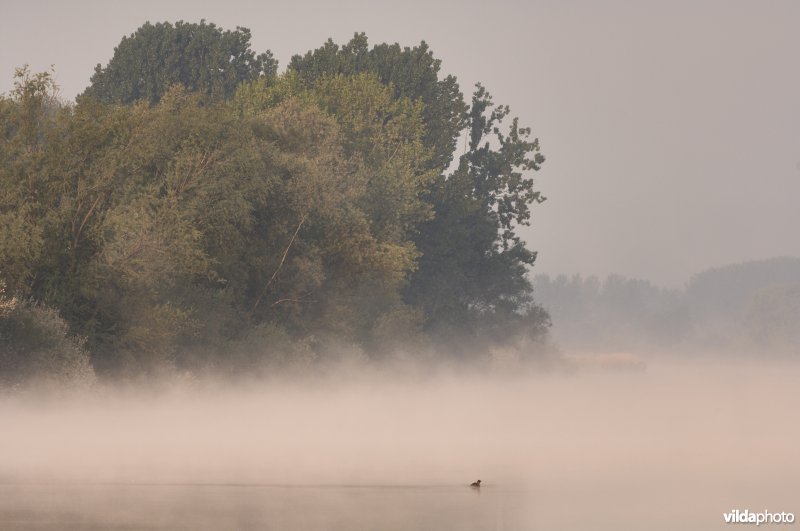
[(667, 447)]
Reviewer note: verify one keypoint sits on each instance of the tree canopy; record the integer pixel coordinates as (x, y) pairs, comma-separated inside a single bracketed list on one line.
[(201, 57), (473, 265), (196, 210)]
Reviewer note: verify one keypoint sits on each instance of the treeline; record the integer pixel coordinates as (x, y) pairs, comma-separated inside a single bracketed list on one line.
[(195, 210), (615, 313), (752, 307)]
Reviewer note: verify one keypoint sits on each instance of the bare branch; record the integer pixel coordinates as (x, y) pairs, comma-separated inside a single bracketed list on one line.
[(283, 259), (302, 298)]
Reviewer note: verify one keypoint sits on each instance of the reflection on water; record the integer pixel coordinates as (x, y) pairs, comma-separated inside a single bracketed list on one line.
[(238, 507)]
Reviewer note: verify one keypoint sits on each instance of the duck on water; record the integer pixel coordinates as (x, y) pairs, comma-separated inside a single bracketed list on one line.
[(476, 485)]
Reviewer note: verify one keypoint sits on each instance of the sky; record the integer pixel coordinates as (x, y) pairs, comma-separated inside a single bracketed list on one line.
[(671, 129)]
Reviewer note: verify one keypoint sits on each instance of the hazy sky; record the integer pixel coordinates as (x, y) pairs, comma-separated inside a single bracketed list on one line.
[(671, 129)]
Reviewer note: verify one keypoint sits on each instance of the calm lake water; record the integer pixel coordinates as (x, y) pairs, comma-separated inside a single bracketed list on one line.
[(591, 506), (223, 507), (670, 448)]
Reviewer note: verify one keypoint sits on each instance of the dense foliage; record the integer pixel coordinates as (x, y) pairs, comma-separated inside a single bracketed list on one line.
[(195, 210), (472, 268), (201, 57), (36, 347)]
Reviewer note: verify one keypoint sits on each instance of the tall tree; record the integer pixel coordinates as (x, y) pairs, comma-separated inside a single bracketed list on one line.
[(201, 57), (27, 118), (473, 265), (473, 269), (245, 208), (381, 137), (412, 72)]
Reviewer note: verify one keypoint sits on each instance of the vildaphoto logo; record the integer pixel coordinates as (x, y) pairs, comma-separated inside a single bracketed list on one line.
[(765, 517)]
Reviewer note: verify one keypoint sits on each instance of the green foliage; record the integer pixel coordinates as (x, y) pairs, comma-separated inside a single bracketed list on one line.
[(201, 57), (227, 217), (36, 349), (473, 266), (332, 260), (387, 134), (173, 229), (411, 72), (260, 95), (28, 124)]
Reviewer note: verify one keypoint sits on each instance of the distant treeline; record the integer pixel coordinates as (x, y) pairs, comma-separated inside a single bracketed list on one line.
[(196, 210), (753, 307)]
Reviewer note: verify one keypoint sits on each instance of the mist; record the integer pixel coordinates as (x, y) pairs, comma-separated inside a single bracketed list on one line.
[(352, 266), (658, 444)]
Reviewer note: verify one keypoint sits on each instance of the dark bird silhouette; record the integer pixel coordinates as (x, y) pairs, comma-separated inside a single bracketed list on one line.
[(476, 485)]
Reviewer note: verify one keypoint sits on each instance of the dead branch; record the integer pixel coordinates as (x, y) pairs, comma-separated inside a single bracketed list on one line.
[(280, 264)]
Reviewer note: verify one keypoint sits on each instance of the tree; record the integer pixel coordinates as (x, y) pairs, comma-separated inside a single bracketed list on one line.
[(412, 73), (388, 135), (166, 269), (381, 138), (772, 319), (474, 265), (25, 119), (36, 347), (332, 267), (192, 204), (201, 57)]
